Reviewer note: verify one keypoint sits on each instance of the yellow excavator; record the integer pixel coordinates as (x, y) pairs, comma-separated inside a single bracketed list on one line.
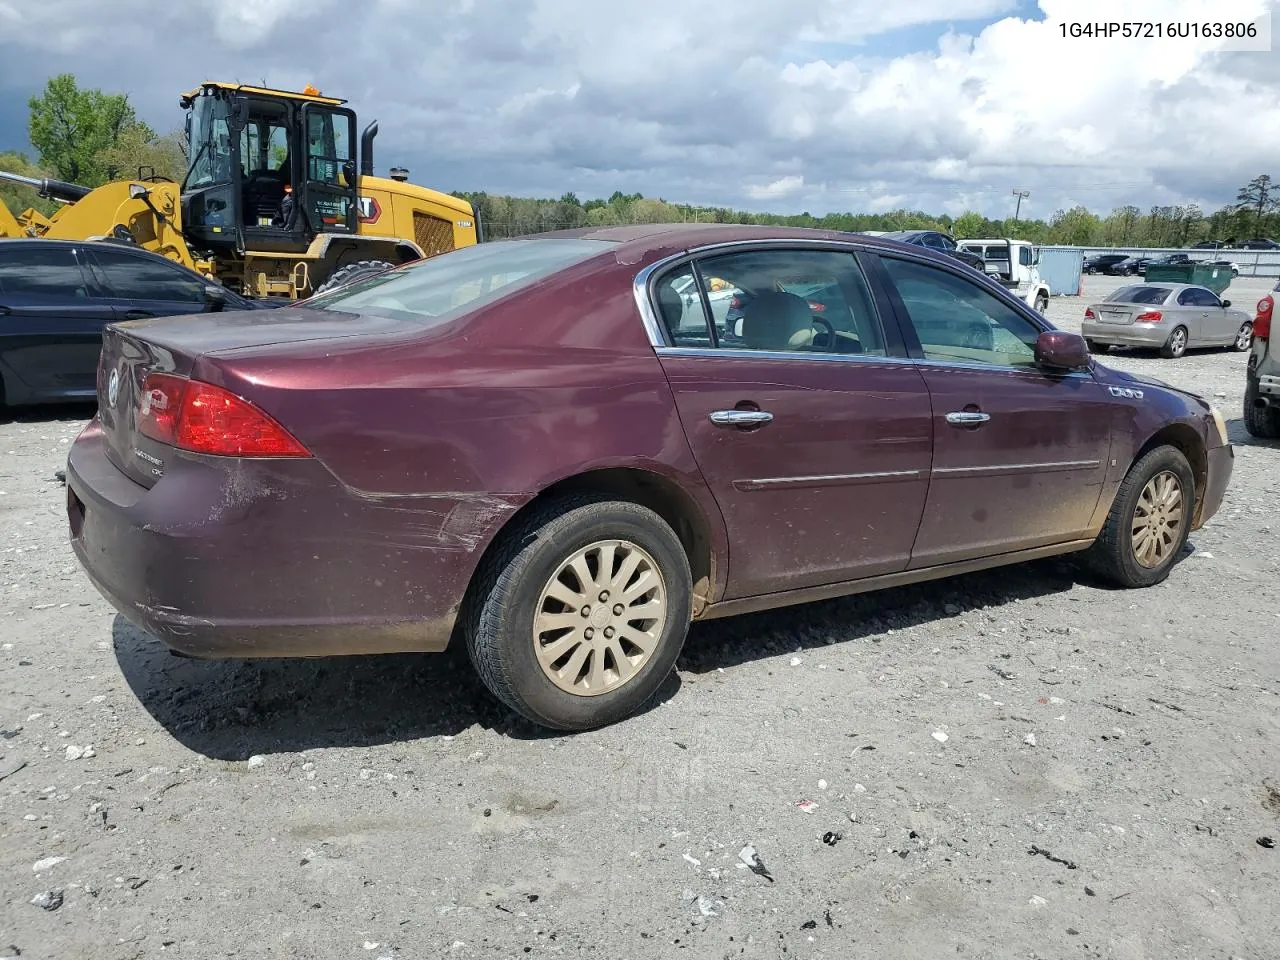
[(272, 204)]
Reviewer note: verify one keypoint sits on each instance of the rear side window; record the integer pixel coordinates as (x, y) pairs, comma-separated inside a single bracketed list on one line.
[(792, 301), (126, 277), (43, 271), (440, 288)]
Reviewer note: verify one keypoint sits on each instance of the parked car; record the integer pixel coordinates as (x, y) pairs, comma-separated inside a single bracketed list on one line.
[(519, 439), (1169, 317), (1105, 263), (56, 296), (1262, 375), (1223, 262), (1260, 243), (934, 240), (1130, 266), (1171, 259), (1211, 245)]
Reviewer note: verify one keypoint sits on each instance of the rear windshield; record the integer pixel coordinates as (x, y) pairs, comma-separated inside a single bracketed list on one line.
[(442, 287), (1139, 294)]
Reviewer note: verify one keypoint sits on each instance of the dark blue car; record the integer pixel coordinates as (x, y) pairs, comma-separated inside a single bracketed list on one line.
[(56, 296)]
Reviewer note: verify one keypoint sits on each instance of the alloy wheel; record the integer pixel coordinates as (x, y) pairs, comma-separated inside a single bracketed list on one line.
[(1244, 339), (1178, 342), (1157, 520), (600, 618)]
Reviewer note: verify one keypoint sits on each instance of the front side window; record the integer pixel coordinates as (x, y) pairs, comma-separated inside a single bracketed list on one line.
[(440, 288), (1024, 256), (210, 142), (43, 271), (794, 301), (1198, 297), (958, 321), (139, 278), (328, 145)]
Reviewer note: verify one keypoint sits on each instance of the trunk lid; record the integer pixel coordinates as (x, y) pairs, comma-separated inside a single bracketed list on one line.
[(1116, 312), (136, 348)]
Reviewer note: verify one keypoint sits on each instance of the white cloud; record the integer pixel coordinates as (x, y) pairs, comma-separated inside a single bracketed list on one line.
[(784, 187), (811, 104)]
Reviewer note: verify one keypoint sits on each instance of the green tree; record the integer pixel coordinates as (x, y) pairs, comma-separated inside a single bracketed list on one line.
[(1260, 196), (136, 147), (71, 128), (968, 224), (1076, 227)]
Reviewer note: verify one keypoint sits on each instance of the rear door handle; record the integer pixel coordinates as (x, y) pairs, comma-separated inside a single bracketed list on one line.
[(740, 418), (967, 418), (138, 314)]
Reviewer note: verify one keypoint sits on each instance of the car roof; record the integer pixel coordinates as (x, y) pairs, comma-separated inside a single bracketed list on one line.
[(648, 241)]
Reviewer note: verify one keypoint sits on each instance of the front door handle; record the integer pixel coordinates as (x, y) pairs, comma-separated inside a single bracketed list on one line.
[(138, 314), (967, 418), (740, 418), (5, 311)]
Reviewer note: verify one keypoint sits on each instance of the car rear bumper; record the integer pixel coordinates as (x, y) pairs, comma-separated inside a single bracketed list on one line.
[(273, 558), (1221, 463), (1126, 334)]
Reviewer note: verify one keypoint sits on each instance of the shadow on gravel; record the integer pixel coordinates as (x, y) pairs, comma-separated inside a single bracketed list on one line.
[(233, 709), (50, 413), (737, 640), (1239, 436)]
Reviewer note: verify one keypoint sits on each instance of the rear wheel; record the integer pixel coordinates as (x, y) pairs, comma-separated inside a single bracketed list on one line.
[(579, 614), (1149, 521), (1261, 421), (1244, 336), (353, 272), (1176, 345)]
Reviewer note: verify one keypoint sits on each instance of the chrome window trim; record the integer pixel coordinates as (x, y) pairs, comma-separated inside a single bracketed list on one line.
[(741, 354)]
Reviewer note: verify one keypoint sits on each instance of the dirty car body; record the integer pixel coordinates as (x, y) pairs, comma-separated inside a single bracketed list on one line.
[(355, 475)]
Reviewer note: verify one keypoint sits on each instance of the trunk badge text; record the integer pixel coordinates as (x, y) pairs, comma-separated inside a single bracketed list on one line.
[(157, 465)]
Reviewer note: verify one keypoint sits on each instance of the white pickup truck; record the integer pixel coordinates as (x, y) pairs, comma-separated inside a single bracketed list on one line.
[(1013, 263)]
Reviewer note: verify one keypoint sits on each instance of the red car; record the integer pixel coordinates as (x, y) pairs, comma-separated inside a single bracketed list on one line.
[(550, 448)]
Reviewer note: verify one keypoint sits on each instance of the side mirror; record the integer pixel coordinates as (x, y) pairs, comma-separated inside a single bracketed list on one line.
[(137, 191), (215, 297), (1062, 351), (1225, 304)]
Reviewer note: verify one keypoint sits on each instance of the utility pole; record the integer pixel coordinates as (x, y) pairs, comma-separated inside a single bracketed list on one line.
[(1021, 195)]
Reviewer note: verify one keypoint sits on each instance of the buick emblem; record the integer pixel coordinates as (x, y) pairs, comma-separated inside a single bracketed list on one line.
[(113, 388)]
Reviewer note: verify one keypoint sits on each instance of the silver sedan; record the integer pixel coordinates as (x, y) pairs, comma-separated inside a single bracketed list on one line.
[(1169, 317)]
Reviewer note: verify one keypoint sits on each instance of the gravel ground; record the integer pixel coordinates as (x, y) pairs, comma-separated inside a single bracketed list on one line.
[(1014, 764)]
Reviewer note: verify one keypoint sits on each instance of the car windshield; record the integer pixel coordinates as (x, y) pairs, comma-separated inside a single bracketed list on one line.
[(1139, 293), (441, 287)]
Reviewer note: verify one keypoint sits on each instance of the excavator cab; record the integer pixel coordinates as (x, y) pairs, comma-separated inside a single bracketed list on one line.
[(269, 169)]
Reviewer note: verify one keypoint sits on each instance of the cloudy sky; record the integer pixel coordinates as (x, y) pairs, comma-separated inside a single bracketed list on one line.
[(781, 105)]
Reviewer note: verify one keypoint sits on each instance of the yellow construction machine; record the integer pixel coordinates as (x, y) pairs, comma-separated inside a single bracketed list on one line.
[(272, 204)]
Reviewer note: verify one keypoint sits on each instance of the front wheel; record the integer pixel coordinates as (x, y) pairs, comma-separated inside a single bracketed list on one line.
[(1244, 337), (578, 616), (1149, 521), (1176, 345), (1042, 303), (353, 272)]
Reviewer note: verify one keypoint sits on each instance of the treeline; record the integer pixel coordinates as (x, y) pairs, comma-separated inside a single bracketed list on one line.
[(1253, 215)]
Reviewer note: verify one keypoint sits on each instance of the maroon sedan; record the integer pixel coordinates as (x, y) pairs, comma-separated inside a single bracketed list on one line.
[(564, 448)]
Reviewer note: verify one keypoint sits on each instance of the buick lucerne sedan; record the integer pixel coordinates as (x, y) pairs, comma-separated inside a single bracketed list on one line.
[(557, 451)]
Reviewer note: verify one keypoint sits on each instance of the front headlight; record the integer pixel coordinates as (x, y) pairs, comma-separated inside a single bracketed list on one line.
[(1220, 424)]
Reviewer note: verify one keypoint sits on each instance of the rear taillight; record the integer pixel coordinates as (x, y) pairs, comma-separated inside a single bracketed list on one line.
[(1089, 314), (1150, 316), (817, 307), (1262, 322), (202, 418), (735, 302)]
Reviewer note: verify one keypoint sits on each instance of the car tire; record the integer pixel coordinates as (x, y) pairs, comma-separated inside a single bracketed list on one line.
[(535, 564), (1244, 337), (1091, 270), (1096, 347), (1176, 346), (1262, 422), (353, 272), (1042, 303), (1124, 557)]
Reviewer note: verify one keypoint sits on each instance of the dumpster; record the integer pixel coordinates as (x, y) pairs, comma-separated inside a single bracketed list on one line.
[(1215, 278)]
